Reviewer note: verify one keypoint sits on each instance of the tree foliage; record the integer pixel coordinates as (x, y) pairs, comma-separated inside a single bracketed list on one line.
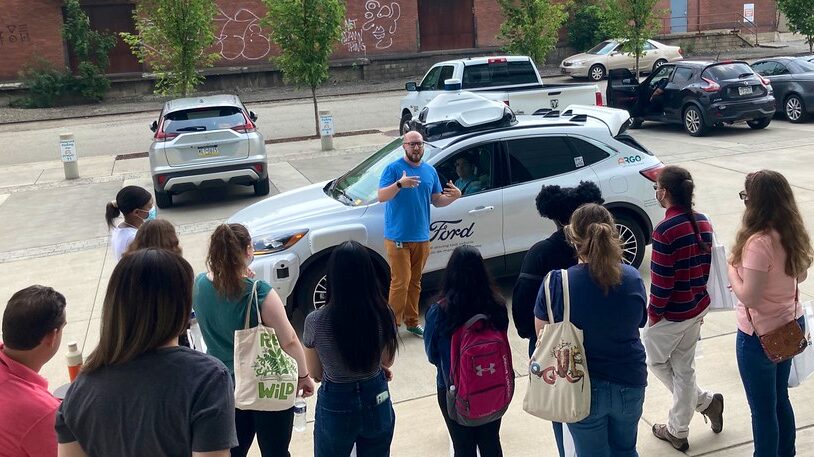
[(306, 32), (587, 26), (531, 27), (634, 22), (174, 38), (800, 14)]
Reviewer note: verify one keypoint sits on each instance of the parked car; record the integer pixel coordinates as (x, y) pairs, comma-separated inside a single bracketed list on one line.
[(608, 55), (513, 80), (698, 95), (792, 79), (204, 142), (294, 232)]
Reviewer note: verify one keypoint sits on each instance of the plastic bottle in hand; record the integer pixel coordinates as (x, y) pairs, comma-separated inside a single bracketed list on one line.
[(74, 360), (300, 415)]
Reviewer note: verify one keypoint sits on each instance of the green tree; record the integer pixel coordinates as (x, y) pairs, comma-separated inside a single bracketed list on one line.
[(531, 27), (306, 32), (90, 48), (800, 14), (174, 38), (587, 26), (634, 22)]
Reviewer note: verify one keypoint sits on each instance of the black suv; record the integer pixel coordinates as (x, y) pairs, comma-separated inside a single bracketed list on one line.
[(698, 95)]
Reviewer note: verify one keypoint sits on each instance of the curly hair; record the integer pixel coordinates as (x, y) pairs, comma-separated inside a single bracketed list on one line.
[(226, 259), (558, 203)]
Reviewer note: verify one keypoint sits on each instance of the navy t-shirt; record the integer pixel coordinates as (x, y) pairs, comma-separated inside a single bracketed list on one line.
[(407, 215), (610, 324)]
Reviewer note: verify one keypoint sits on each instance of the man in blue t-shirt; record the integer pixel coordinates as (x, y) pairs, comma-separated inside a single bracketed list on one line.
[(408, 186)]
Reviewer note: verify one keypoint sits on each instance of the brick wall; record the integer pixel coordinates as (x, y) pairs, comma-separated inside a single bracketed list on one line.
[(29, 29), (487, 22)]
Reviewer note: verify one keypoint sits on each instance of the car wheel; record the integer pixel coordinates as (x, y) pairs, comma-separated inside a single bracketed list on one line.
[(312, 289), (596, 73), (636, 123), (631, 236), (404, 125), (795, 109), (758, 124), (162, 199), (261, 187), (658, 64), (694, 121)]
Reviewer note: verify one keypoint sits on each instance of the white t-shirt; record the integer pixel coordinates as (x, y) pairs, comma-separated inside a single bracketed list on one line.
[(120, 239)]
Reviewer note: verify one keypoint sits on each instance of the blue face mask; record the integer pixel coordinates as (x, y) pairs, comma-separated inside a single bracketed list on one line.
[(150, 215)]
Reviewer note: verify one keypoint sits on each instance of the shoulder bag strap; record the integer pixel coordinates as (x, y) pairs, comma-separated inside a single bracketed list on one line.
[(547, 291), (252, 298), (793, 308), (566, 297)]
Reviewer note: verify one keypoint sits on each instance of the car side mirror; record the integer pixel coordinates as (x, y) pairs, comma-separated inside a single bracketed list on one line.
[(252, 116), (154, 126), (411, 86)]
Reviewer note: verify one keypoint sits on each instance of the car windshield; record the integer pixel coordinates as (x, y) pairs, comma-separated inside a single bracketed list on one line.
[(602, 48), (802, 66), (360, 186), (203, 119)]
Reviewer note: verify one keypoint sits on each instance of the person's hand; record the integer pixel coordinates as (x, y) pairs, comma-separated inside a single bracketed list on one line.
[(409, 181), (451, 191), (250, 273), (306, 385), (388, 373)]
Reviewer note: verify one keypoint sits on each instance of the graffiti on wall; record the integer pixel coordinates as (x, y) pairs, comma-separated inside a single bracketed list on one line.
[(13, 34), (352, 37), (381, 20), (240, 36)]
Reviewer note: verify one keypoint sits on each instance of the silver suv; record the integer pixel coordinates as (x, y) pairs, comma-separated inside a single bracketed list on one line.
[(204, 142)]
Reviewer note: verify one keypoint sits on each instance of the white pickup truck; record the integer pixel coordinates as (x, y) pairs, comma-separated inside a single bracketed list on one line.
[(514, 80)]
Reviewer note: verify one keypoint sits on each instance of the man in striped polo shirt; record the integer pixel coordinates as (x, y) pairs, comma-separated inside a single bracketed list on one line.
[(679, 267)]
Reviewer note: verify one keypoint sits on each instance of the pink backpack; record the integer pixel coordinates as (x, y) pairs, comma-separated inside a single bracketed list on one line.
[(481, 378)]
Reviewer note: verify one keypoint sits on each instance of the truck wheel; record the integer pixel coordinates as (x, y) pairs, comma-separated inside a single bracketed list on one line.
[(795, 109), (694, 121), (261, 187), (162, 199), (404, 125), (596, 73), (632, 239), (758, 124)]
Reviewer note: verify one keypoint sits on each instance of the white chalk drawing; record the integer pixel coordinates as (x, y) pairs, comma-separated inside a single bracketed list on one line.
[(352, 37), (381, 20), (241, 37)]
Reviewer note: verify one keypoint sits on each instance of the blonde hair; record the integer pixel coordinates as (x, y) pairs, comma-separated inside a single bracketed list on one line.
[(593, 232)]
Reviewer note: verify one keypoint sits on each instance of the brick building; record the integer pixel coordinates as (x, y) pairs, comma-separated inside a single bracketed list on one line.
[(30, 29)]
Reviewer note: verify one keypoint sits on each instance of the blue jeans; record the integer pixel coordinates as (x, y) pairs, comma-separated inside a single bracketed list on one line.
[(767, 391), (557, 426), (354, 412), (610, 430)]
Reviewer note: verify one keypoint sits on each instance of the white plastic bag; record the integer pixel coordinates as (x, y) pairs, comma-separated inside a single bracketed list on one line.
[(802, 365), (195, 336), (568, 442), (720, 296)]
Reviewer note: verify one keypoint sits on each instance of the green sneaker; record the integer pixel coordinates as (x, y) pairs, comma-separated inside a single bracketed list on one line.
[(417, 331)]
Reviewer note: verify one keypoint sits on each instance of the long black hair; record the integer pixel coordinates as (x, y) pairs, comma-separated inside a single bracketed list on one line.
[(468, 289), (678, 183), (357, 307)]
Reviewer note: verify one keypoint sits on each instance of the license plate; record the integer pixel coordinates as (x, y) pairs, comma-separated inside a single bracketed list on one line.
[(208, 151), (745, 90)]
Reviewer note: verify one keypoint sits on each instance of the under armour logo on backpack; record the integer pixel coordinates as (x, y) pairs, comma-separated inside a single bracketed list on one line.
[(479, 369)]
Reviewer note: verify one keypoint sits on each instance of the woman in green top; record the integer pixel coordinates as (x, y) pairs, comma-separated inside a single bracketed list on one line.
[(220, 300)]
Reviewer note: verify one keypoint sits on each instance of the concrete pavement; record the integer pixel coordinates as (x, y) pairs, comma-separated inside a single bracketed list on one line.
[(54, 234)]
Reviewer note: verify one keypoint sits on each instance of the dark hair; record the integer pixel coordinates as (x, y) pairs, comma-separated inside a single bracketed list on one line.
[(593, 232), (468, 289), (227, 258), (31, 314), (771, 205), (157, 233), (128, 199), (147, 304), (678, 183), (557, 203), (357, 307)]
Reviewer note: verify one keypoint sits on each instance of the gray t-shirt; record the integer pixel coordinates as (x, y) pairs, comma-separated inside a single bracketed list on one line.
[(319, 334), (164, 403)]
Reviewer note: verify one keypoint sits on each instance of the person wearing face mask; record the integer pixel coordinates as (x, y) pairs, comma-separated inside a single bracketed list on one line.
[(220, 299), (135, 205), (679, 270)]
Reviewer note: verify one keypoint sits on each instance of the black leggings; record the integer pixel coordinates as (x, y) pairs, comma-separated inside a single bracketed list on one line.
[(467, 440), (273, 429)]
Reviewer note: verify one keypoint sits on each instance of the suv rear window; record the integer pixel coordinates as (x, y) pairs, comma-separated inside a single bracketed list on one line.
[(498, 74), (728, 71), (203, 119)]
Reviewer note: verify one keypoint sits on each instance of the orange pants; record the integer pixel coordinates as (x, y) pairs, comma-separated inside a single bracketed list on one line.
[(406, 264)]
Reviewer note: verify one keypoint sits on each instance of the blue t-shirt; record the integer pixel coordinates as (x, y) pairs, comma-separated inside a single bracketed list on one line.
[(610, 324), (407, 215)]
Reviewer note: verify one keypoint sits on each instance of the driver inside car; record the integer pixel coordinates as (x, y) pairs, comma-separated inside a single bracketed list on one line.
[(467, 181)]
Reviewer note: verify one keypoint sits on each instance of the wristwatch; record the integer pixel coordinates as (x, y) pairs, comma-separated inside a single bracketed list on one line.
[(398, 184)]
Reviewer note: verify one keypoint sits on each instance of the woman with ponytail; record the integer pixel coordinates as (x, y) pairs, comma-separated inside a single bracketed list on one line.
[(135, 205), (679, 271), (220, 300), (608, 303)]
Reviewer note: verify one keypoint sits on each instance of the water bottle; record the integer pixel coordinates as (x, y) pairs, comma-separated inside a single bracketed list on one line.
[(300, 415), (73, 359)]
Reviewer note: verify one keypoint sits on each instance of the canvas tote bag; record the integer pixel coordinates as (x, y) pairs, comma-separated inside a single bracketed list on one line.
[(559, 387), (265, 376)]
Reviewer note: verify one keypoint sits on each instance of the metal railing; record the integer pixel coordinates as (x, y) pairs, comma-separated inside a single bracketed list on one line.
[(733, 21)]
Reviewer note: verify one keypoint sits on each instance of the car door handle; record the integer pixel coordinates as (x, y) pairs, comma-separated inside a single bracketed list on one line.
[(481, 209), (555, 93)]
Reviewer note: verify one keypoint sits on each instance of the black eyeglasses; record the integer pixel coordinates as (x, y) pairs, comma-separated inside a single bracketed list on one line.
[(415, 144), (742, 195)]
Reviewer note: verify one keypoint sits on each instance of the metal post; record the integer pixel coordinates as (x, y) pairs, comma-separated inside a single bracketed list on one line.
[(67, 151), (326, 130)]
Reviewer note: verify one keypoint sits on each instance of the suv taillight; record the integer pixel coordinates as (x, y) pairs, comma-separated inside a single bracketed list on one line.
[(248, 127), (160, 134), (765, 81), (711, 86), (652, 173)]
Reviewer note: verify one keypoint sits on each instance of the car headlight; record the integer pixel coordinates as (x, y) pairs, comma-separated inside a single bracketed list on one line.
[(264, 245), (577, 62)]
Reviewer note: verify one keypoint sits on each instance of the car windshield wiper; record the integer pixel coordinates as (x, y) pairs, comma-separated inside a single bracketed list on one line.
[(194, 128), (342, 193), (744, 75)]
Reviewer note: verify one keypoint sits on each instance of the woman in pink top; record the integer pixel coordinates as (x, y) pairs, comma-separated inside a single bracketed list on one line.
[(772, 253)]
